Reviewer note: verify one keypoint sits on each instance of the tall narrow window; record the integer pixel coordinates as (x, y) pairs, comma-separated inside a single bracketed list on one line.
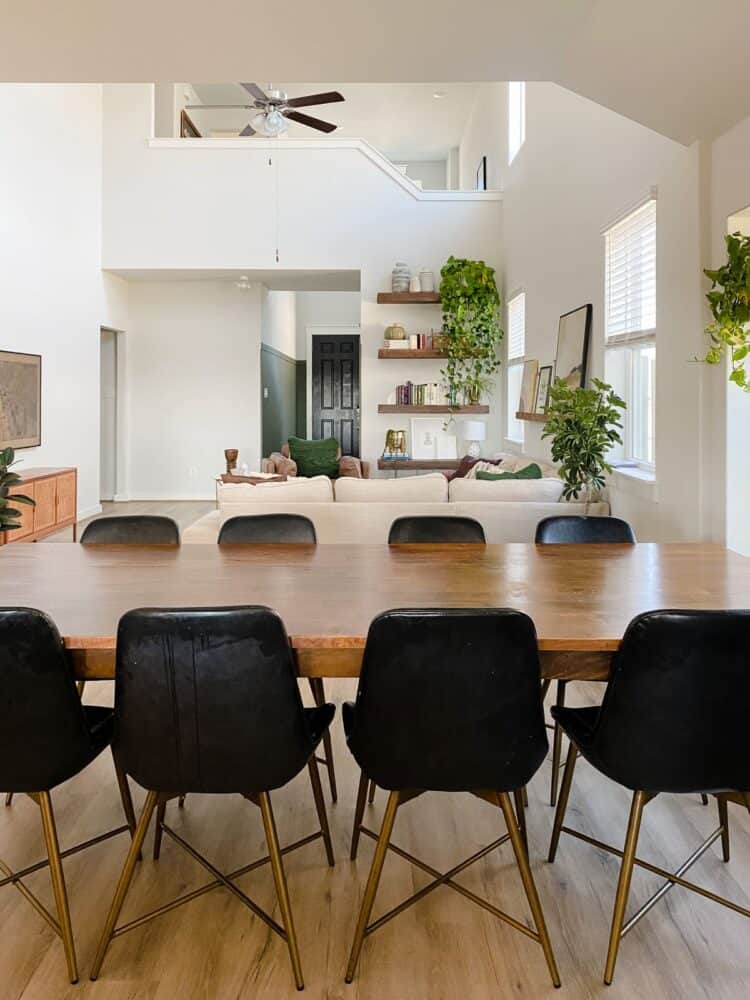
[(516, 118), (514, 367), (630, 329)]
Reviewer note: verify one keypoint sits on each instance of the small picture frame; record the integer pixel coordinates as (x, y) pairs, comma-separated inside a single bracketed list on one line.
[(527, 398), (482, 174), (543, 382)]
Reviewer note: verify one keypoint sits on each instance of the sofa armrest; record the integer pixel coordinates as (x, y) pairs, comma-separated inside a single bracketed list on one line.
[(267, 466), (353, 468)]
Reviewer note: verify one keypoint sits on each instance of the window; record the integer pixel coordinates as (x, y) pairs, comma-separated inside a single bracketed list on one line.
[(630, 329), (514, 367), (516, 118)]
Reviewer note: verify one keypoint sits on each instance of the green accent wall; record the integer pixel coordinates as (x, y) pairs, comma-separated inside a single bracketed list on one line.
[(284, 403), (301, 399)]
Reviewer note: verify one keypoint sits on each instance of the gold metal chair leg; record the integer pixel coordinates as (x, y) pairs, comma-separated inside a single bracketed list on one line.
[(562, 805), (319, 697), (371, 792), (359, 811), (623, 885), (527, 878), (126, 877), (721, 801), (281, 888), (160, 812), (58, 883), (373, 881), (557, 746), (320, 806), (521, 814)]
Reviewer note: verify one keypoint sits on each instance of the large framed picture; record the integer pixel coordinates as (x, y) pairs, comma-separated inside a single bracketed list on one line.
[(429, 439), (20, 400), (573, 333)]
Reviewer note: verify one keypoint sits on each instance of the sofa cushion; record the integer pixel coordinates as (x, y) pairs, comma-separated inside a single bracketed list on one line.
[(419, 489), (235, 495), (546, 490), (315, 458), (531, 471)]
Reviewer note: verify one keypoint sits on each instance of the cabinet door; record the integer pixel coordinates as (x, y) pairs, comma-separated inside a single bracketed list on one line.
[(66, 497), (45, 494), (26, 526)]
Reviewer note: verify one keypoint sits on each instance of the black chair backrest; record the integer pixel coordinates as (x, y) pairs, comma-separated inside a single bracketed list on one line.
[(450, 700), (262, 529), (414, 530), (131, 529), (580, 528), (207, 700), (44, 736), (674, 716)]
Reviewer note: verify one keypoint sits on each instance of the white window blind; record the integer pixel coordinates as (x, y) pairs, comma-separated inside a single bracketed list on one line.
[(517, 327), (516, 117), (630, 275)]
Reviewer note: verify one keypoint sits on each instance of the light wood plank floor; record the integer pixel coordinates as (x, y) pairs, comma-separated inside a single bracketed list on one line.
[(443, 948), (184, 512)]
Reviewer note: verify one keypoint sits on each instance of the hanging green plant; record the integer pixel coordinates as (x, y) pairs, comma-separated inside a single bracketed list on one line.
[(729, 300), (471, 323)]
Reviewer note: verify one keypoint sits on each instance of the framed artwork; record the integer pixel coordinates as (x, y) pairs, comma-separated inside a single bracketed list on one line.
[(429, 439), (528, 387), (543, 383), (482, 174), (188, 129), (20, 400), (573, 334)]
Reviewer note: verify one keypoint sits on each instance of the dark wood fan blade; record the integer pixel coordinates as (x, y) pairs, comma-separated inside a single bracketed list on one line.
[(321, 126), (307, 102), (248, 130), (254, 90)]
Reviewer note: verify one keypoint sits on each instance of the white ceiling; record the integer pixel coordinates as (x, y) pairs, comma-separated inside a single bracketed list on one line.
[(402, 120), (678, 66), (281, 280)]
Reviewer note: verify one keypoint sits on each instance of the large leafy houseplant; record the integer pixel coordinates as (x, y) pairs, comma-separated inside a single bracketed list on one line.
[(471, 324), (10, 515), (584, 424), (729, 300)]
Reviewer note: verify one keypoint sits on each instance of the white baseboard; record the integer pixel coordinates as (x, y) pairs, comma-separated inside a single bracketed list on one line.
[(120, 498), (89, 512), (171, 497)]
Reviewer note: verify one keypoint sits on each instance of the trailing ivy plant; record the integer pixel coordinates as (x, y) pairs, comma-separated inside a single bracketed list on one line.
[(471, 323), (10, 516), (584, 424), (729, 300)]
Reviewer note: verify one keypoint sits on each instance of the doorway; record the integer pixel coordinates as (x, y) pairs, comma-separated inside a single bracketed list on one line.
[(335, 389), (108, 415)]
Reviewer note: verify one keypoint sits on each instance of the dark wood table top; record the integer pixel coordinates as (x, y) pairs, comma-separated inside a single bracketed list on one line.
[(581, 598)]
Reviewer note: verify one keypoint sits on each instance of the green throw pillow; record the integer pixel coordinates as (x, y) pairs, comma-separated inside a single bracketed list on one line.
[(528, 472), (315, 458)]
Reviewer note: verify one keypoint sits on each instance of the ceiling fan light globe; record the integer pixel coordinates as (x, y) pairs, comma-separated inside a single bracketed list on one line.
[(270, 123)]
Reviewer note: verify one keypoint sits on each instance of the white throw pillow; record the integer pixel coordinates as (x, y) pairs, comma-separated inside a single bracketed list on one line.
[(420, 489)]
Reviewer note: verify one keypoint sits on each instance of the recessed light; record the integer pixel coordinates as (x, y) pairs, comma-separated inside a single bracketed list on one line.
[(439, 95)]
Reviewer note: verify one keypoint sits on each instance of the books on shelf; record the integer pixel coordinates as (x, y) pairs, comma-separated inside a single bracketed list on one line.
[(416, 342), (420, 394)]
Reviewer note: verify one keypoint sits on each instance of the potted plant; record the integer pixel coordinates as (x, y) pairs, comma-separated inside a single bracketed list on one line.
[(729, 300), (471, 324), (9, 515), (584, 424)]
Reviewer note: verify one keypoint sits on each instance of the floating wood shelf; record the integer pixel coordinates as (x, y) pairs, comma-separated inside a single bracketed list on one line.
[(431, 408), (413, 464), (396, 354), (536, 418), (404, 298)]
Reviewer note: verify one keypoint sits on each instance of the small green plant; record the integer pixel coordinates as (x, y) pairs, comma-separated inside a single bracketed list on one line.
[(10, 516), (729, 300), (584, 424), (471, 323)]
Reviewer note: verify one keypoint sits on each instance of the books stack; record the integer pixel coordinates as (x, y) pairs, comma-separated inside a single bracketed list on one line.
[(420, 394)]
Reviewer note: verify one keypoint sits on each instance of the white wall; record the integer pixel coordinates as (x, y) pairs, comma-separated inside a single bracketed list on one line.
[(325, 309), (193, 376), (485, 134), (52, 300), (279, 321), (432, 173)]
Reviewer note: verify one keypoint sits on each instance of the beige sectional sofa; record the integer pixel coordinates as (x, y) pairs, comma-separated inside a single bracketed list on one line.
[(361, 511)]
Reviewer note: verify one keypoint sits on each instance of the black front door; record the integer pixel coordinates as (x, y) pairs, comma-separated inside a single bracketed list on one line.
[(335, 390)]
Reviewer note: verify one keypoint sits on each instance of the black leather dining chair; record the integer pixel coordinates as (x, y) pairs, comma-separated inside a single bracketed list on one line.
[(47, 737), (576, 529), (131, 529), (673, 719), (207, 701), (267, 529), (449, 701), (438, 529)]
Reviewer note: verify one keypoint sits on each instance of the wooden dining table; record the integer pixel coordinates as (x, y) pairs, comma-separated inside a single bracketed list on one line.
[(580, 597)]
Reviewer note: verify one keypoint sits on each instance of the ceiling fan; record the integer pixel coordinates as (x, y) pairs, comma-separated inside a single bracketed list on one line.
[(274, 110)]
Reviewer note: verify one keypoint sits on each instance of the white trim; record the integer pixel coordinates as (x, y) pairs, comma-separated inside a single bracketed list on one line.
[(360, 145), (653, 195)]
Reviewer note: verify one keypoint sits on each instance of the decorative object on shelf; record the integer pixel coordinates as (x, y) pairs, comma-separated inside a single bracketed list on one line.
[(426, 280), (10, 516), (473, 431), (429, 439), (415, 285), (541, 396), (730, 307), (471, 324), (230, 454), (584, 424), (20, 400), (573, 332), (482, 174), (439, 342), (395, 332), (528, 386), (395, 444), (400, 277)]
